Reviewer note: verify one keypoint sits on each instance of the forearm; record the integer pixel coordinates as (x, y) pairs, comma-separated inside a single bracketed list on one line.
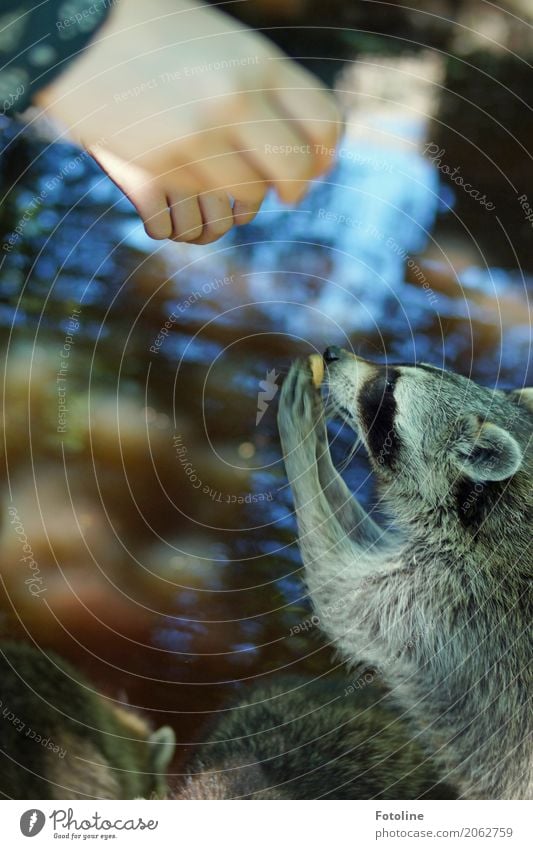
[(333, 561), (351, 516)]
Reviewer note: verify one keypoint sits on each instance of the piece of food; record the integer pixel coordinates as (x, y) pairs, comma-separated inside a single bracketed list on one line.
[(317, 369)]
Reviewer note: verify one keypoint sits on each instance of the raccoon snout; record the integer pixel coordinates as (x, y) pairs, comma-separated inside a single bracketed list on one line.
[(332, 353)]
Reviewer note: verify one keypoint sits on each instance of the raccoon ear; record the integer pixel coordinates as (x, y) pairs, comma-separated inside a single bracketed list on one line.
[(485, 451), (524, 397), (162, 744)]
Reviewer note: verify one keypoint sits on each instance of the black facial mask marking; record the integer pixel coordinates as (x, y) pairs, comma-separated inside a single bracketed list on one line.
[(377, 407)]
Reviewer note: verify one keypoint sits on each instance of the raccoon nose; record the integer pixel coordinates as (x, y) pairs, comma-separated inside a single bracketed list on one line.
[(332, 353)]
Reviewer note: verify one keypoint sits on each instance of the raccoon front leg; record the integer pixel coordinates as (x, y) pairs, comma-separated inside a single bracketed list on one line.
[(304, 439), (354, 520), (347, 579), (332, 559)]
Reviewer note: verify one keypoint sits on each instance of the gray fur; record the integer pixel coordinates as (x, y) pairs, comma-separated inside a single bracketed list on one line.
[(441, 606), (307, 739)]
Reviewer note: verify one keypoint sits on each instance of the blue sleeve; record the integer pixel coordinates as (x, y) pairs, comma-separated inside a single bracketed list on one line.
[(37, 42)]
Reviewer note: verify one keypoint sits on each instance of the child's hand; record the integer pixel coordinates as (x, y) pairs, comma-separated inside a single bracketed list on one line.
[(170, 213), (194, 116)]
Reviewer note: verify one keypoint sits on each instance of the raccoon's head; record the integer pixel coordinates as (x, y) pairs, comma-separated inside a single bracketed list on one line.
[(432, 435)]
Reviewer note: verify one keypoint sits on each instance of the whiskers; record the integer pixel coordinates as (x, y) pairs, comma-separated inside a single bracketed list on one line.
[(351, 453)]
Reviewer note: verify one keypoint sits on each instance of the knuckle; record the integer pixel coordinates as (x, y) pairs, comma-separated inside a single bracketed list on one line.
[(245, 217), (157, 232), (193, 233), (249, 193), (302, 167), (219, 228)]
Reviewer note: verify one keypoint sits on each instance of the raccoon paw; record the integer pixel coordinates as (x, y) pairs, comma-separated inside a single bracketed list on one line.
[(300, 414)]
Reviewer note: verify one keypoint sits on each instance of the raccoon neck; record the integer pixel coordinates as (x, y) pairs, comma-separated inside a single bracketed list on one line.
[(472, 523)]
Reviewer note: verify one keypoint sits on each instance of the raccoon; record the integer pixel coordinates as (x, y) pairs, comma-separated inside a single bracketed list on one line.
[(61, 740), (302, 739), (439, 600), (296, 739)]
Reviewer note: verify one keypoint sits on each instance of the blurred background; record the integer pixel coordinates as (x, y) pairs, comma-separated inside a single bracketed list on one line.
[(153, 539)]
